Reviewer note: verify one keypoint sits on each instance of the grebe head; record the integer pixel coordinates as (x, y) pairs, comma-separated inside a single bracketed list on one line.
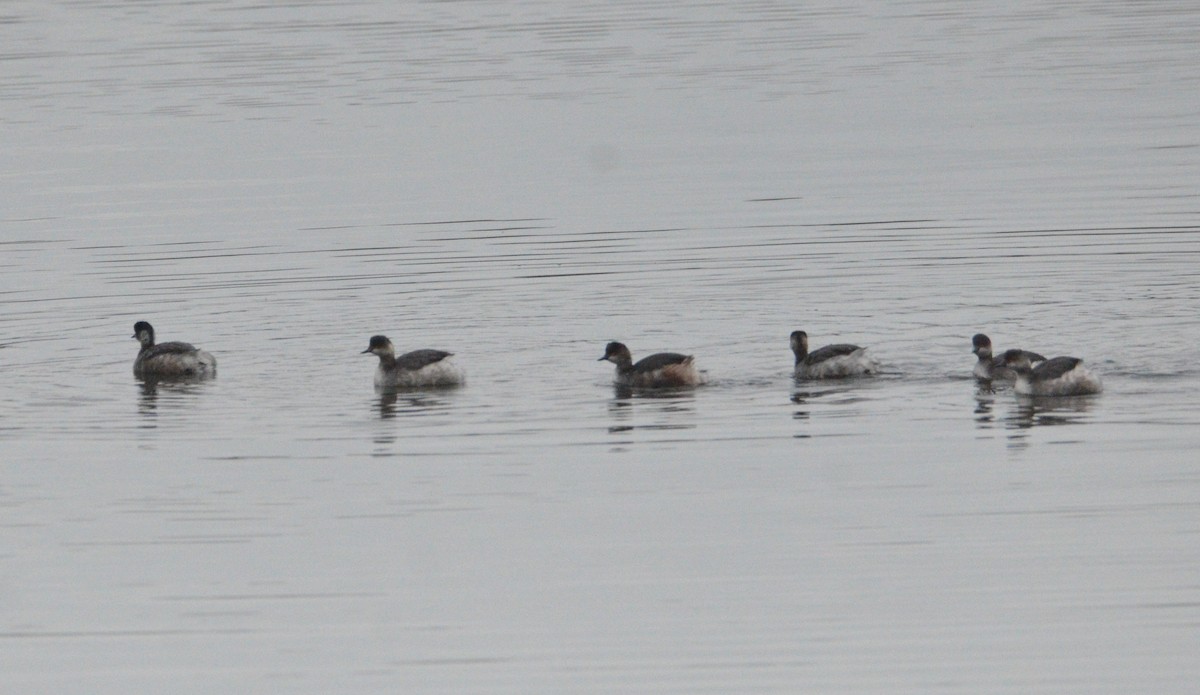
[(379, 345), (800, 343), (144, 333), (1017, 361), (982, 345), (616, 353)]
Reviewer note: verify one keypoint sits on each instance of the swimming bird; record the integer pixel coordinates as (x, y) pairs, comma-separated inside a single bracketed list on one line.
[(831, 361), (1058, 376), (414, 369), (658, 370), (990, 367), (169, 360)]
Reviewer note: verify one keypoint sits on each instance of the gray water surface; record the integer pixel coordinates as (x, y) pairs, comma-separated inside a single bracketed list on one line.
[(519, 183)]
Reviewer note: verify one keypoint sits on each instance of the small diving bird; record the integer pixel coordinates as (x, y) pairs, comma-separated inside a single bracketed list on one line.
[(661, 369), (1058, 376), (990, 367), (416, 369), (831, 361), (169, 360)]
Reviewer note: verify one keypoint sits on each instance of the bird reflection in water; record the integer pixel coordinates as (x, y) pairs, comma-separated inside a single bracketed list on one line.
[(985, 405), (391, 403), (1038, 411), (1019, 414), (804, 397), (176, 391), (669, 403)]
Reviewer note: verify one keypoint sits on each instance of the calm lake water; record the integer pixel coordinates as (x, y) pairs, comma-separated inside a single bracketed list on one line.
[(519, 183)]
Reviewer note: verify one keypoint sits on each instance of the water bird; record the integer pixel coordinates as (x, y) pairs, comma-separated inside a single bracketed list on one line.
[(416, 369), (1058, 376), (661, 369), (169, 360), (831, 361), (990, 367)]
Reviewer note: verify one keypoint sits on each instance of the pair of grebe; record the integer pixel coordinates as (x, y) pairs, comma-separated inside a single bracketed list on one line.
[(176, 360), (1033, 374), (674, 369)]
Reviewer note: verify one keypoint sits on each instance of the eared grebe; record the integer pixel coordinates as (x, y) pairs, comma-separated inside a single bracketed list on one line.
[(1058, 376), (831, 361), (412, 369), (658, 370), (167, 360), (992, 367)]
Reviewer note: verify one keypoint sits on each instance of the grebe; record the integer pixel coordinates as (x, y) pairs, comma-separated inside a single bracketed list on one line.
[(414, 369), (1058, 376), (991, 367), (167, 360), (831, 361), (657, 370)]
